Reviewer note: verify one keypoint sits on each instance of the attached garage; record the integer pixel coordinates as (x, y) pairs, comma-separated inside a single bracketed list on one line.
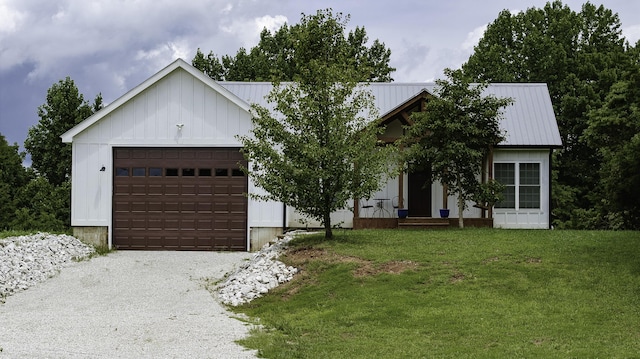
[(159, 169), (179, 199)]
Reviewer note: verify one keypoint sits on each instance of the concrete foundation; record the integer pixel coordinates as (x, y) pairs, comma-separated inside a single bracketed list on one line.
[(260, 236), (97, 236)]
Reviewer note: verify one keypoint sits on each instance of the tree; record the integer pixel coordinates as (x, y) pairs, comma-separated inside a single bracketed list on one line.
[(65, 107), (318, 148), (275, 58), (454, 135), (579, 55), (13, 176), (614, 129), (43, 206)]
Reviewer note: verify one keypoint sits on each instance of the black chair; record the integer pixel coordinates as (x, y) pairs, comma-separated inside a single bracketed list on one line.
[(366, 205)]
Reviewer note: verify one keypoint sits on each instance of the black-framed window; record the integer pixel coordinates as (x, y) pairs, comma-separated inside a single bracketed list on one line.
[(522, 184)]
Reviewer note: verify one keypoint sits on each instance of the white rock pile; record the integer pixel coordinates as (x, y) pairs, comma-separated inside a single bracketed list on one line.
[(27, 260), (257, 276)]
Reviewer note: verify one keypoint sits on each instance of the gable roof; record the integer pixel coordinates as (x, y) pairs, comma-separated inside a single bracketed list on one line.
[(177, 64), (528, 122)]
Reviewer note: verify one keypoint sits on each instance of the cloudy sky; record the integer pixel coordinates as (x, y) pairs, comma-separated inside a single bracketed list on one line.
[(110, 46)]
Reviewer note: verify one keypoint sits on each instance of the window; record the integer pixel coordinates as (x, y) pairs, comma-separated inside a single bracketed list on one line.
[(188, 172), (236, 172), (204, 172), (522, 184), (222, 172), (505, 173), (139, 171), (155, 172), (171, 172), (529, 185), (122, 172)]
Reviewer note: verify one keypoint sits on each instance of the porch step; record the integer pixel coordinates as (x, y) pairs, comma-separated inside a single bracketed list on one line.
[(422, 222)]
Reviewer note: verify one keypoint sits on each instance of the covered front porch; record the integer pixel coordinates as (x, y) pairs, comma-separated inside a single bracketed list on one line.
[(407, 192), (419, 223)]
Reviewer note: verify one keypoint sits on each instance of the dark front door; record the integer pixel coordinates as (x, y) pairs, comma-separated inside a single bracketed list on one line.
[(419, 194)]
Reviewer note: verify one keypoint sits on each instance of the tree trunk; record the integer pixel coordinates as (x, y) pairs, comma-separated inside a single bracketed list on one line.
[(460, 211), (328, 233), (460, 202)]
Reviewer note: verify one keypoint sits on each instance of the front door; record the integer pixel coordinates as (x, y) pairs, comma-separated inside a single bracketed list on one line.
[(419, 194)]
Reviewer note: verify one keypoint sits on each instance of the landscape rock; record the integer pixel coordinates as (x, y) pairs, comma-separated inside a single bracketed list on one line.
[(257, 276), (28, 260)]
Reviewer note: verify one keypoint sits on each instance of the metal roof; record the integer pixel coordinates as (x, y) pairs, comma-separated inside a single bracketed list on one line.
[(529, 122)]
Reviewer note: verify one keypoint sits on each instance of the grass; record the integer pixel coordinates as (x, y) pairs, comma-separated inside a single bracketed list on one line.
[(475, 293), (14, 233)]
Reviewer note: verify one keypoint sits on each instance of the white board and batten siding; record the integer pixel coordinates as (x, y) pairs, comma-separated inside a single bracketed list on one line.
[(151, 119)]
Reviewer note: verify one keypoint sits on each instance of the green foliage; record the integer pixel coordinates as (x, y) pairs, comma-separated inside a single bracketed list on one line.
[(454, 134), (12, 177), (318, 148), (489, 193), (614, 129), (580, 55), (277, 56), (64, 108), (459, 294), (43, 206)]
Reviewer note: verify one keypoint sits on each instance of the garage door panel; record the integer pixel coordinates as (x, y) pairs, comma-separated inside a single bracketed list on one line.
[(154, 207), (172, 207), (172, 189), (179, 199)]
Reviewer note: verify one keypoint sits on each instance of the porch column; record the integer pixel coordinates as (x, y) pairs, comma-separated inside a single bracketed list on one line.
[(401, 190), (490, 175), (445, 196)]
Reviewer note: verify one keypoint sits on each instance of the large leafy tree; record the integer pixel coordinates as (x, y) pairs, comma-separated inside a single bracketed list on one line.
[(13, 176), (454, 134), (64, 108), (317, 148), (276, 56), (579, 55), (614, 129)]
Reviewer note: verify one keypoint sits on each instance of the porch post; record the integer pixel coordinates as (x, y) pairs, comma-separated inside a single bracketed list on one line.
[(445, 195), (356, 208), (401, 190), (490, 173)]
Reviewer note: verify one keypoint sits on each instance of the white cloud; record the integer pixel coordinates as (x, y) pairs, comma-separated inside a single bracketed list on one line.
[(248, 30), (271, 23), (632, 33), (227, 9), (10, 19), (473, 38)]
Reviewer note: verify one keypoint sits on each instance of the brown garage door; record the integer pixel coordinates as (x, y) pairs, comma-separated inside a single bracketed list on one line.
[(179, 199)]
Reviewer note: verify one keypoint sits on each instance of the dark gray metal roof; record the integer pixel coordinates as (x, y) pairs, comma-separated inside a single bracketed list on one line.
[(529, 122)]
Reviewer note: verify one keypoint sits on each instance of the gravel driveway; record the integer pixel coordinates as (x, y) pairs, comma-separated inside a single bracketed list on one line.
[(128, 304)]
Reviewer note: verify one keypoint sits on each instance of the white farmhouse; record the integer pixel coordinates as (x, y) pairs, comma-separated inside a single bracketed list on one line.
[(159, 167)]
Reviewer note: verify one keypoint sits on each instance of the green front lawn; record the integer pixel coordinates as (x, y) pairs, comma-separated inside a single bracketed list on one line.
[(474, 293)]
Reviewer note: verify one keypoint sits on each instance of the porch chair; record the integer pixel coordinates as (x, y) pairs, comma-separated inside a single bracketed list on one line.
[(366, 205)]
